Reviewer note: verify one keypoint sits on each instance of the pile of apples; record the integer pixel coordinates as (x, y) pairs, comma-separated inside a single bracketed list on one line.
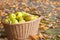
[(19, 17)]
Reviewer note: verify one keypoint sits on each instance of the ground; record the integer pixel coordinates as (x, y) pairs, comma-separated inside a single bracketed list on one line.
[(49, 9)]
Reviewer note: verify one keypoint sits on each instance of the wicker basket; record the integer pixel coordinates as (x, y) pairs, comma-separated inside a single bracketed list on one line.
[(22, 31)]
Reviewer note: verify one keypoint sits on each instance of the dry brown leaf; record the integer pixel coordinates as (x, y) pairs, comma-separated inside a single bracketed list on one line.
[(59, 36), (35, 37), (57, 9), (45, 36), (55, 3), (40, 35)]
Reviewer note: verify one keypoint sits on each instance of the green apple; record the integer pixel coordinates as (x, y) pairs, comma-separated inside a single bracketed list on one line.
[(6, 20), (33, 18), (20, 18), (30, 17), (12, 16), (24, 14), (36, 16), (18, 14), (21, 21), (14, 21)]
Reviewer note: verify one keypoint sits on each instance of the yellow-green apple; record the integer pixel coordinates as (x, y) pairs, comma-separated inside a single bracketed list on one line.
[(12, 16), (6, 20), (14, 21), (30, 17), (24, 14), (18, 14), (21, 21)]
